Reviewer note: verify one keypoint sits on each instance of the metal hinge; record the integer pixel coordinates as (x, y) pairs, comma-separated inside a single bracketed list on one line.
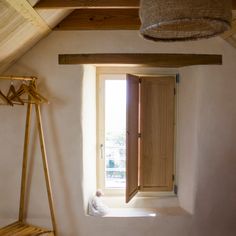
[(140, 80), (177, 78), (139, 135), (175, 189), (173, 177)]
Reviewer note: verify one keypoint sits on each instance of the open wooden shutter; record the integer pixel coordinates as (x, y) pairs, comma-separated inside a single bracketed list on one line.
[(132, 147), (157, 133)]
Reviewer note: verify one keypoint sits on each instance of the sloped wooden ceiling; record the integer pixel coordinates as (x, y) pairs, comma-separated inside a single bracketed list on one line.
[(230, 36), (23, 23), (22, 26), (108, 15)]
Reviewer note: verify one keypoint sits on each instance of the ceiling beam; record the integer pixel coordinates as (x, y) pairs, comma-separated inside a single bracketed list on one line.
[(234, 4), (109, 19), (101, 19), (150, 60), (78, 4)]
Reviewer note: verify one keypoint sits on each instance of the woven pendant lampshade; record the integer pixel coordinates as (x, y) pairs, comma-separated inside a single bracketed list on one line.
[(179, 20)]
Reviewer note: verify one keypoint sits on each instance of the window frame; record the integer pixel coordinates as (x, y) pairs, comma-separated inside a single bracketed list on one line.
[(100, 94)]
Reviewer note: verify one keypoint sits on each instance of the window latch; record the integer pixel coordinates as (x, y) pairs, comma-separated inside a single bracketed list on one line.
[(102, 150)]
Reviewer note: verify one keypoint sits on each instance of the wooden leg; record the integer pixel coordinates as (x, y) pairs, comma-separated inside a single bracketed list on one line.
[(45, 166), (24, 164)]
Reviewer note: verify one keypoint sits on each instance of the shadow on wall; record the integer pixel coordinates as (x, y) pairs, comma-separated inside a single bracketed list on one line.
[(66, 184), (63, 186), (62, 179)]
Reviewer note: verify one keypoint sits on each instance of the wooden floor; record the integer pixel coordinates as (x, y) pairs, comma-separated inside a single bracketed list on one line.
[(20, 229)]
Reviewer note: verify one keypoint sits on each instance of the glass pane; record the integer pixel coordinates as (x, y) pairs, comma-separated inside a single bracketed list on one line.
[(115, 133)]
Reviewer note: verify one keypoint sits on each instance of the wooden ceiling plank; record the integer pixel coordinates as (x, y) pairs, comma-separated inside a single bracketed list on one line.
[(231, 41), (230, 32), (150, 60), (28, 12), (101, 19), (78, 4)]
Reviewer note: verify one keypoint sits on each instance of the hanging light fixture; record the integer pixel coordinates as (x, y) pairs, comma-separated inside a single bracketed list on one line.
[(179, 20)]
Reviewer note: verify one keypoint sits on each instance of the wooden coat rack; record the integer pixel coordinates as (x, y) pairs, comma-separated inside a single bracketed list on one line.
[(21, 227)]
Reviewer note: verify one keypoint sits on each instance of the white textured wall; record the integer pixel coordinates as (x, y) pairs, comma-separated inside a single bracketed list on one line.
[(207, 138), (89, 132), (216, 177), (187, 136)]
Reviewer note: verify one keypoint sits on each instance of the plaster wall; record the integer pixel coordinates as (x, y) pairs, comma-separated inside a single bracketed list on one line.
[(187, 136), (207, 133)]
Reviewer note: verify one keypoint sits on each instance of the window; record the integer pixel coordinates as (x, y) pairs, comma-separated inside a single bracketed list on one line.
[(136, 133), (115, 133), (112, 133)]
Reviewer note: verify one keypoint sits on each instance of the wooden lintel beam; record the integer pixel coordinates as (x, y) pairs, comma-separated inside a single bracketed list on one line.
[(78, 4), (101, 19), (150, 60)]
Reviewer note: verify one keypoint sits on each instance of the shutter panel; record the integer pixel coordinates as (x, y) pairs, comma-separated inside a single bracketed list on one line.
[(132, 147), (157, 130)]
